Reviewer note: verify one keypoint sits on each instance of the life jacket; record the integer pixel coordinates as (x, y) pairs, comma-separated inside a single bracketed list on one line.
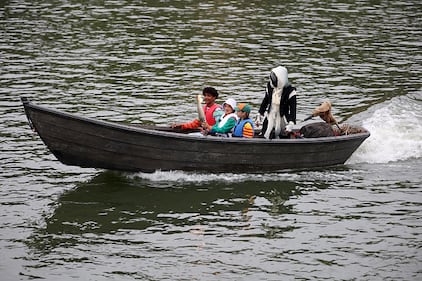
[(238, 129), (209, 113)]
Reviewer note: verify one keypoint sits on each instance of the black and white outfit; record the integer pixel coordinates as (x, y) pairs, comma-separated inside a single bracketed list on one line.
[(279, 103)]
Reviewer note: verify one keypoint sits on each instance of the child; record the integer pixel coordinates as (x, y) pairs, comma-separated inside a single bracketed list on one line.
[(244, 127), (226, 122)]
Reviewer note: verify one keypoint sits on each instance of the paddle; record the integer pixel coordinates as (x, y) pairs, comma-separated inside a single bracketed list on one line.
[(201, 114)]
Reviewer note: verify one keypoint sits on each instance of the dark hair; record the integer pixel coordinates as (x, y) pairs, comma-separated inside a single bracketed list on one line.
[(210, 90)]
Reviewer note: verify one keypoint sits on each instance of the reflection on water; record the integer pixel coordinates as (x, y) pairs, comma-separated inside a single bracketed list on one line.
[(116, 218), (113, 204), (282, 226)]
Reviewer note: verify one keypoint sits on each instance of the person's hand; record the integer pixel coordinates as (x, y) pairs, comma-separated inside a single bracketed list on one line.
[(205, 125), (258, 120), (289, 127), (175, 126), (204, 131)]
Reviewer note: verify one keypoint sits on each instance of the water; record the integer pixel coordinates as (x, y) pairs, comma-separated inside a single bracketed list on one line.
[(142, 62)]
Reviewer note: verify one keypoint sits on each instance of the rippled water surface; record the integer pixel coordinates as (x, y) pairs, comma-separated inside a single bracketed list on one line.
[(143, 62)]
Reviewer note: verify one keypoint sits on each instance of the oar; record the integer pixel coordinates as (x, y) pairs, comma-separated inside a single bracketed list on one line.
[(308, 118), (201, 114)]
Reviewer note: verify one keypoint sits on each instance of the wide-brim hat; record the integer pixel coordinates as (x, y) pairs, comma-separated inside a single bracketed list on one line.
[(324, 107)]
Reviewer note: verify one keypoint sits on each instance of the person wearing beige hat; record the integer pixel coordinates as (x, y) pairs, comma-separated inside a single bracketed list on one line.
[(321, 129), (324, 111)]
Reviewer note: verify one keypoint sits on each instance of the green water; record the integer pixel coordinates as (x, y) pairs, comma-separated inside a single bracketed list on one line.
[(143, 62)]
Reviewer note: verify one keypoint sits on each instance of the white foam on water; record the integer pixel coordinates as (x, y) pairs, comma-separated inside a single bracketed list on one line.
[(396, 132), (198, 178)]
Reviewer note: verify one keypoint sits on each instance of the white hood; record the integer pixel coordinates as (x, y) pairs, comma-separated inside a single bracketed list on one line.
[(278, 77)]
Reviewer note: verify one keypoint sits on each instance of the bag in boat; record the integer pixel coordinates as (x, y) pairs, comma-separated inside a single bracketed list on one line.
[(317, 130)]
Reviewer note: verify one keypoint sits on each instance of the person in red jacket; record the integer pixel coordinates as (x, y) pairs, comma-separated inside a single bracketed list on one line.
[(212, 111)]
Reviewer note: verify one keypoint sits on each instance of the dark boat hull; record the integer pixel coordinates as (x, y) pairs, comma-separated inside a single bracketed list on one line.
[(87, 142)]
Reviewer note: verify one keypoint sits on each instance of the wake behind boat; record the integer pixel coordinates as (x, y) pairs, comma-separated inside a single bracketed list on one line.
[(87, 142)]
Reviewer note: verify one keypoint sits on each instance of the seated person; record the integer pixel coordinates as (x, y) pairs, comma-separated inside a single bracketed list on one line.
[(244, 127), (212, 111), (226, 122)]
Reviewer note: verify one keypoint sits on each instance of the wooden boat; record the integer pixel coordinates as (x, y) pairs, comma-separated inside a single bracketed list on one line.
[(87, 142)]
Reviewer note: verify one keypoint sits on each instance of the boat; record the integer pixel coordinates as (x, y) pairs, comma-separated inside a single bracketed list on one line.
[(92, 143)]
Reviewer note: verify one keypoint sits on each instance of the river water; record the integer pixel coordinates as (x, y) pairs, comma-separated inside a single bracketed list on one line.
[(143, 62)]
